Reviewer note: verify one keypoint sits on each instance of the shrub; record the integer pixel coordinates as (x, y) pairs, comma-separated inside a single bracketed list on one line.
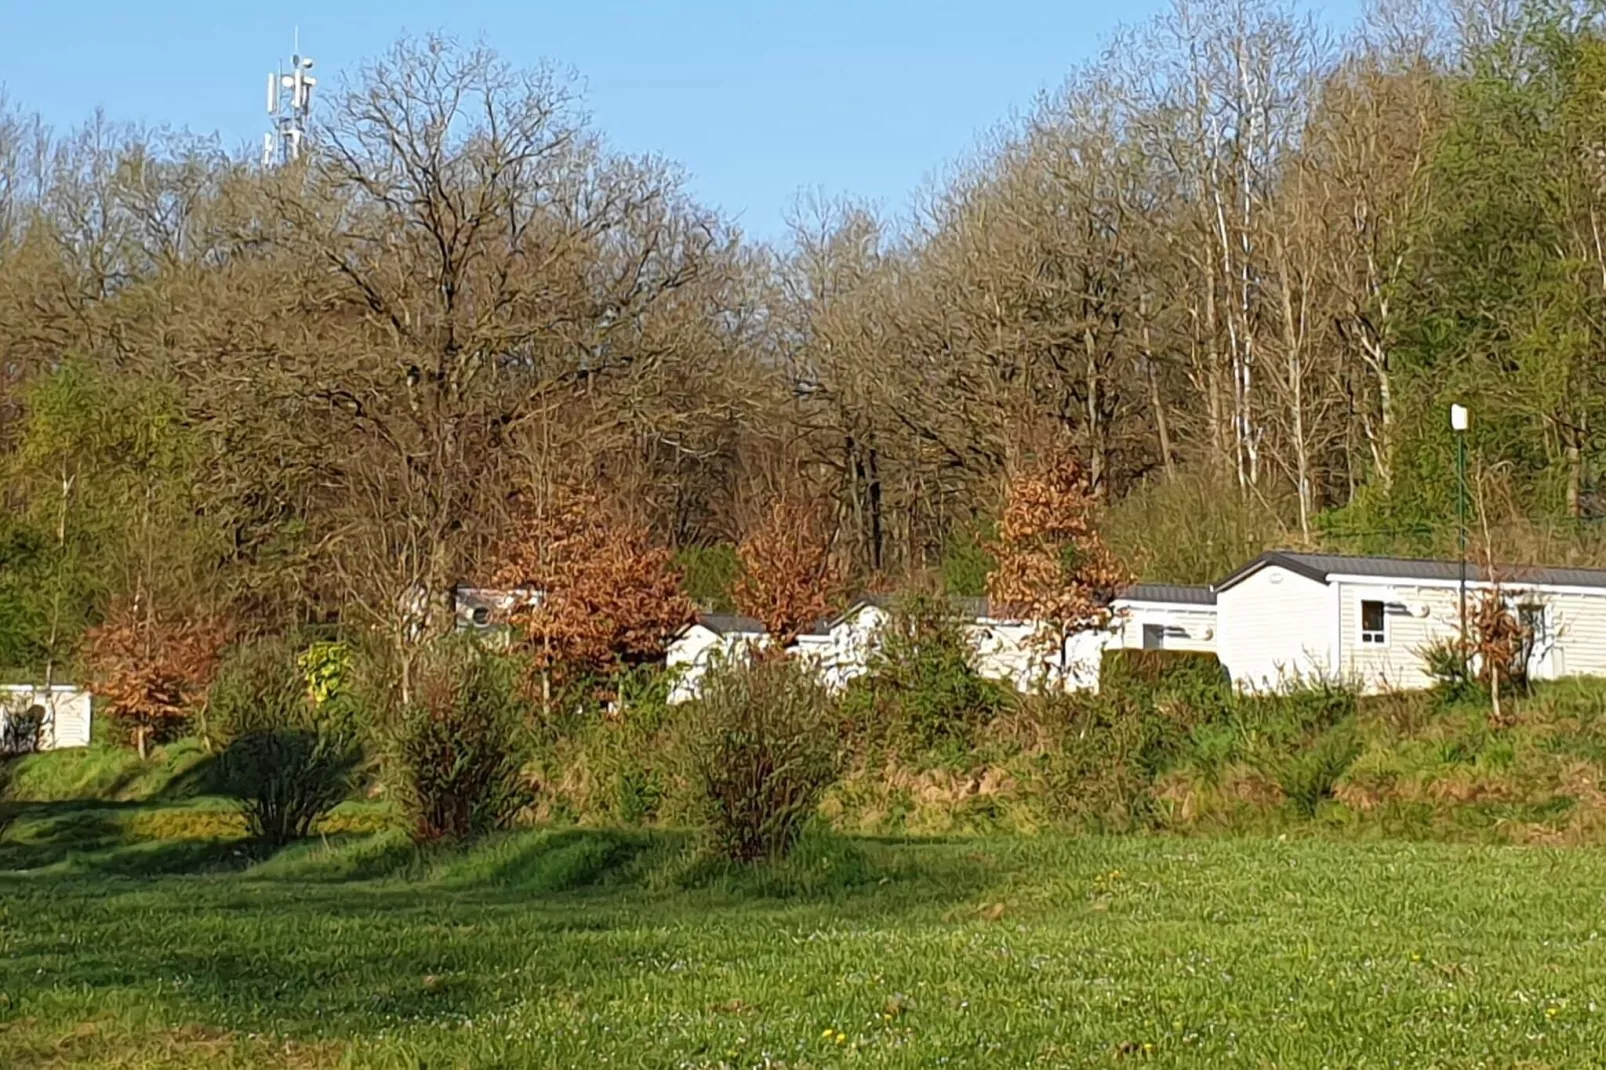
[(1101, 774), (764, 749), (1309, 776), (461, 744), (626, 751), (22, 728), (1304, 740), (1176, 673), (1446, 663), (1285, 721), (710, 572), (966, 562), (920, 687), (290, 757)]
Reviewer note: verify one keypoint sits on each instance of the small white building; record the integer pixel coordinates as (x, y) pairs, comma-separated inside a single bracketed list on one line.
[(1164, 616), (1147, 616), (711, 638), (39, 718), (839, 647), (1287, 618), (489, 609), (1020, 654)]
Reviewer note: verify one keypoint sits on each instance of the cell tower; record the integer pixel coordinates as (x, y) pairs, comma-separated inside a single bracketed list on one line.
[(290, 104)]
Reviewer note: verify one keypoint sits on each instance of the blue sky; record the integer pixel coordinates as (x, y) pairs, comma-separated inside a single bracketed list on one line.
[(759, 101)]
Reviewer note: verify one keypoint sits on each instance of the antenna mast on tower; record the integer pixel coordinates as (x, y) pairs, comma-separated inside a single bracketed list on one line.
[(290, 104)]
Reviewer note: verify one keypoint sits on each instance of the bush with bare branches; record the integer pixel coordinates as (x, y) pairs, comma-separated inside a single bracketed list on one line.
[(460, 744)]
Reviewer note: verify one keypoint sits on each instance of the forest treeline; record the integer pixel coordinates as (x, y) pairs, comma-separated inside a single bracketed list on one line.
[(1236, 266)]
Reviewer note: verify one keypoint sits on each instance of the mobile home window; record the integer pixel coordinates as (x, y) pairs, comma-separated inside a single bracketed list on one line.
[(1374, 623), (1153, 637)]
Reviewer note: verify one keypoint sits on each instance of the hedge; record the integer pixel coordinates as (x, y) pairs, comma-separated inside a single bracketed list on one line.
[(1161, 670)]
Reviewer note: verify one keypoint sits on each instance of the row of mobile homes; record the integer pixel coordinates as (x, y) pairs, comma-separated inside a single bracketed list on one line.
[(1006, 649)]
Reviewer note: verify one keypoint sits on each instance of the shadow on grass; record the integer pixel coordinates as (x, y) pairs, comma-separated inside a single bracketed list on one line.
[(313, 939), (101, 837), (352, 929), (82, 841), (204, 777)]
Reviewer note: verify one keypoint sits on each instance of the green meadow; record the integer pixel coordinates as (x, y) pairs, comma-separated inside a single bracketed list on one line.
[(145, 934)]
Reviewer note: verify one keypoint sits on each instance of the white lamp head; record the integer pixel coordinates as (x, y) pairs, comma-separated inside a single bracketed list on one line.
[(1458, 417)]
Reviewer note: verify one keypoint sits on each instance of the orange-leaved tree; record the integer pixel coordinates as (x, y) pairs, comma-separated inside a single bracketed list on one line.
[(609, 600), (153, 671), (788, 577), (1053, 566), (1501, 644)]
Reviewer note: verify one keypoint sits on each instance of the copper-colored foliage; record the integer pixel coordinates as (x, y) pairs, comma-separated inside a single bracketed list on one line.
[(610, 598), (1500, 644), (789, 579), (153, 671), (1053, 565)]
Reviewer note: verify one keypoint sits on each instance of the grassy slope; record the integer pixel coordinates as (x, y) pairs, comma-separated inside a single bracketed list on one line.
[(135, 929), (586, 948)]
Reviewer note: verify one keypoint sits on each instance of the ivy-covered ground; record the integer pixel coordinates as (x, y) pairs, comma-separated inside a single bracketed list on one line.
[(129, 939)]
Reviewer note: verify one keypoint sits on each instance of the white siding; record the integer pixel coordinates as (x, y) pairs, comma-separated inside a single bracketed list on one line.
[(843, 653), (67, 712), (1187, 627), (1420, 614), (1276, 628), (1014, 652), (1578, 623), (698, 647), (1415, 618)]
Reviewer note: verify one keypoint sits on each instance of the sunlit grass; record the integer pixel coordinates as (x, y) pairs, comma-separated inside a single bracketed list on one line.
[(578, 948)]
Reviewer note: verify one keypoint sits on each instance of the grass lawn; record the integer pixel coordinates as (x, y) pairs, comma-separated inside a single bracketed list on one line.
[(583, 948)]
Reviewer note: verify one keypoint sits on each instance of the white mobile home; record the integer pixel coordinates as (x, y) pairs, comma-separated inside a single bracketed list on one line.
[(839, 648), (1147, 616), (1164, 616), (712, 637), (489, 609), (1290, 617), (1014, 652), (43, 718)]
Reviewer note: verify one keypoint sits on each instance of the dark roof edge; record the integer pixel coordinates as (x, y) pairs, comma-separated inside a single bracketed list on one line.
[(725, 623), (1182, 594), (1280, 558)]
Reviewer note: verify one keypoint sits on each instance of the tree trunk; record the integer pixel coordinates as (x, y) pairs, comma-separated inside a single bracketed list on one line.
[(1295, 369), (1162, 425), (1575, 474), (877, 532), (1494, 693)]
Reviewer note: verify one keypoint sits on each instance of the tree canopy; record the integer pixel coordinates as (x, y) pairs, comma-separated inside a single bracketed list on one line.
[(1234, 271)]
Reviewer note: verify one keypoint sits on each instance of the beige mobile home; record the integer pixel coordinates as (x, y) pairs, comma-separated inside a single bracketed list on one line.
[(1287, 618)]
